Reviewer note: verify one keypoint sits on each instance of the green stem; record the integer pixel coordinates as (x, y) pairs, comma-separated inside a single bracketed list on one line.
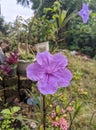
[(44, 113)]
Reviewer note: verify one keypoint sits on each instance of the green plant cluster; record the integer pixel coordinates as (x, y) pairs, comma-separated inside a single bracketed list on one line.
[(82, 37), (42, 30)]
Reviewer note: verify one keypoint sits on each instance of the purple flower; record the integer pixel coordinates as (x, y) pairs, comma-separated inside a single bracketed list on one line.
[(50, 71), (84, 13)]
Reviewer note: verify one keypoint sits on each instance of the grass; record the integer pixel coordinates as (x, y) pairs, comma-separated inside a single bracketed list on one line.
[(83, 89)]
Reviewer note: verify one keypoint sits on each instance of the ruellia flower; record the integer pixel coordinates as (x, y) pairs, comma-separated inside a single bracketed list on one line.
[(50, 71), (84, 13)]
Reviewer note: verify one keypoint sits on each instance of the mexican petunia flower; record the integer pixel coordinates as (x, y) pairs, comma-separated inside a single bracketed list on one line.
[(50, 71), (84, 13)]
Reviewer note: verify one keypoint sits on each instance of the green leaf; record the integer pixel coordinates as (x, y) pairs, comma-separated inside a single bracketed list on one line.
[(77, 107), (41, 127), (62, 16), (15, 109), (20, 118), (6, 111), (58, 109)]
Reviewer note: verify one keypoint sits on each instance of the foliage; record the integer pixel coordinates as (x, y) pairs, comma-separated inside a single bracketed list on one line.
[(19, 29), (35, 3), (41, 27), (24, 2), (30, 57), (42, 30), (9, 118), (4, 27), (60, 18), (74, 35), (82, 37)]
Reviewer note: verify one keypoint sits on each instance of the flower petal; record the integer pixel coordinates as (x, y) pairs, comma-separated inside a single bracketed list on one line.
[(84, 13), (47, 86), (63, 77), (85, 6), (62, 60), (34, 71), (58, 62), (44, 58)]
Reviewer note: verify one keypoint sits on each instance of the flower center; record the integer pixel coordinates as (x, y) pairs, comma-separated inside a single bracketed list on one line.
[(49, 71), (84, 13)]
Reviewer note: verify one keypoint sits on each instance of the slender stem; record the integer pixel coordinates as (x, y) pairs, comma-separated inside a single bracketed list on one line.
[(91, 119), (44, 113)]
